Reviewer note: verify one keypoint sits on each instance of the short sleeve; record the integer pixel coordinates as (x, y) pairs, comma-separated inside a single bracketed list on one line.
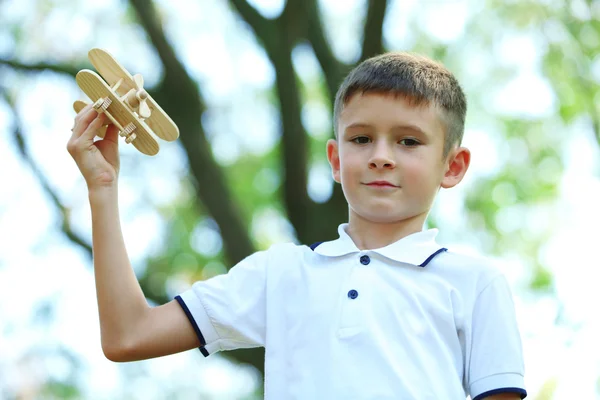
[(228, 311), (495, 363)]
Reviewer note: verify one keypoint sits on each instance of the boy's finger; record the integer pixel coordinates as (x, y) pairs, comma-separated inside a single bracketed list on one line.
[(83, 111), (92, 129), (82, 123), (112, 134)]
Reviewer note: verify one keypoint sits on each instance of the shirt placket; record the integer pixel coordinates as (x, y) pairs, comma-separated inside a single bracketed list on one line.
[(354, 295)]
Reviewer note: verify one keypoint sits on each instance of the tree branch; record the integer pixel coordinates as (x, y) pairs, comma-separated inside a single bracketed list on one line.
[(174, 69), (278, 38), (333, 69), (327, 216), (180, 96), (262, 27), (38, 67), (183, 102), (373, 29), (295, 146), (63, 211)]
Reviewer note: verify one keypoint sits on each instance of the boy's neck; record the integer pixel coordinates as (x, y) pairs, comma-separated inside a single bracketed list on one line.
[(368, 235)]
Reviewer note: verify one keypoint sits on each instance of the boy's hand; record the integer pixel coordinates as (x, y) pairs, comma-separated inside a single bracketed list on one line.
[(98, 161)]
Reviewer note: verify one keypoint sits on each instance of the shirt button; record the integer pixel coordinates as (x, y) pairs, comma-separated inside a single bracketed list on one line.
[(353, 294), (365, 260)]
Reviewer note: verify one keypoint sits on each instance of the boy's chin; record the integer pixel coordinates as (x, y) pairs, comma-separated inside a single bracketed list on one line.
[(387, 217)]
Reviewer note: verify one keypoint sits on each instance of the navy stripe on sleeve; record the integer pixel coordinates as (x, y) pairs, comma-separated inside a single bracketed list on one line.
[(519, 391), (202, 349)]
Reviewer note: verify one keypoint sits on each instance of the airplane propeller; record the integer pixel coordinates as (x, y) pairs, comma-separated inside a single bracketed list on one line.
[(141, 95)]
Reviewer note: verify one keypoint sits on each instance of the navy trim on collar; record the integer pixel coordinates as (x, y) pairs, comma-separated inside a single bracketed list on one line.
[(424, 264), (416, 249), (314, 245)]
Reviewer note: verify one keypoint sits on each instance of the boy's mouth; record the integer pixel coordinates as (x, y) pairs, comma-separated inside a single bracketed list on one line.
[(381, 184)]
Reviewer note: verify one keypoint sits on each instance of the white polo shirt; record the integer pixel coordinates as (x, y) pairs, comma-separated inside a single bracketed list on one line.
[(407, 321)]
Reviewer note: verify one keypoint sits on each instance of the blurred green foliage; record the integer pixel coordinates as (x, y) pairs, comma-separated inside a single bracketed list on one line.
[(497, 205)]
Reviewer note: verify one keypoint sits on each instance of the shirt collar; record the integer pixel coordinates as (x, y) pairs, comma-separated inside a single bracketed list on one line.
[(417, 248)]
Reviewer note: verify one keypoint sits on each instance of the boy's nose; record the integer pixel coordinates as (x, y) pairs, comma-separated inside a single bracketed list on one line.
[(382, 157)]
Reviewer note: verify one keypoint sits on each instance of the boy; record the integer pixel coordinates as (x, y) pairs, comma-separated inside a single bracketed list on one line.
[(383, 312)]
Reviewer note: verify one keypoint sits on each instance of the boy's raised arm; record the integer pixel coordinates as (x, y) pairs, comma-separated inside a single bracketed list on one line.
[(130, 328)]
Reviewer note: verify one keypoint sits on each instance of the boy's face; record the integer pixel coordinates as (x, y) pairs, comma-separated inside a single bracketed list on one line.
[(388, 158)]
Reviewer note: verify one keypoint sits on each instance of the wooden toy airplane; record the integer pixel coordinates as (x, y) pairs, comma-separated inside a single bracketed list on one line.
[(125, 102)]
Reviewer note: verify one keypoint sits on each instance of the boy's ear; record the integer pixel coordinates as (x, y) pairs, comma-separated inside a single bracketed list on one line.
[(333, 155), (456, 166)]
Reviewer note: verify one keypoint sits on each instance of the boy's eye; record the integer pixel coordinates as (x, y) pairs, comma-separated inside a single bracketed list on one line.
[(361, 140), (409, 142)]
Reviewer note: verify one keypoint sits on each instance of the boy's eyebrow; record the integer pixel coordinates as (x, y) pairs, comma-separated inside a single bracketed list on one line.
[(395, 127)]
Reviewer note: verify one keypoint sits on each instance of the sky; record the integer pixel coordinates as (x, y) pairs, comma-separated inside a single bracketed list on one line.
[(38, 265)]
